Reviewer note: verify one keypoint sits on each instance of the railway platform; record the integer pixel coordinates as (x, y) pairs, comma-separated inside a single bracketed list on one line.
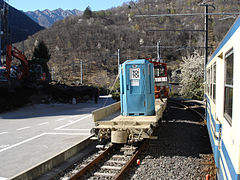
[(33, 135)]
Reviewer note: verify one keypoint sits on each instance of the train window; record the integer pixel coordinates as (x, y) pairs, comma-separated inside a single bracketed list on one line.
[(211, 82), (208, 81), (214, 82), (228, 89), (159, 71), (156, 72)]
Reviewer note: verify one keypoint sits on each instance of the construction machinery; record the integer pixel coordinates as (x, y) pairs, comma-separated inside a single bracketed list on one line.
[(13, 74)]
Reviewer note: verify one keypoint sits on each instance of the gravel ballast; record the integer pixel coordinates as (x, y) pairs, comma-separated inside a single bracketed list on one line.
[(182, 150)]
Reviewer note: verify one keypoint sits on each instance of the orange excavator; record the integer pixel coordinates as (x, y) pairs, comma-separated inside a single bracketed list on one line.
[(12, 74), (28, 71), (22, 71)]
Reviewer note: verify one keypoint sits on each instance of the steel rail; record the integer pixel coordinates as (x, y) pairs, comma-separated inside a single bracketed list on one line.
[(133, 159), (124, 169), (189, 107), (92, 164)]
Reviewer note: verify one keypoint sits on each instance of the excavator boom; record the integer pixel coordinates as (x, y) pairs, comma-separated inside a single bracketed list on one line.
[(14, 52)]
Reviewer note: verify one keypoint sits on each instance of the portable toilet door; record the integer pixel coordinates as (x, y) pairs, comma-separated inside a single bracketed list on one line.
[(136, 88)]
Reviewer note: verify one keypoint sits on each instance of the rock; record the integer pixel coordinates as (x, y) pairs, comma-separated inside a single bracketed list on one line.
[(74, 101)]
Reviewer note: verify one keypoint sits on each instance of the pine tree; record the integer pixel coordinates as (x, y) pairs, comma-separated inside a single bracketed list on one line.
[(41, 56), (87, 13), (41, 52)]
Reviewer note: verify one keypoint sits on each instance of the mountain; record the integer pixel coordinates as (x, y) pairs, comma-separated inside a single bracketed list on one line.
[(20, 25), (95, 37), (46, 18)]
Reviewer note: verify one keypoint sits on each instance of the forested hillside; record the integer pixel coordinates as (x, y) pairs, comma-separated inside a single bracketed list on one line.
[(95, 37)]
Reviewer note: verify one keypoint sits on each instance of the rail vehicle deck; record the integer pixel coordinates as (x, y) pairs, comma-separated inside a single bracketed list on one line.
[(109, 117)]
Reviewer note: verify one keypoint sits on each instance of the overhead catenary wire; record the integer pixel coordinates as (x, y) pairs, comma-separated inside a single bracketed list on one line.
[(228, 17), (186, 14), (136, 7), (173, 47), (154, 30), (111, 90)]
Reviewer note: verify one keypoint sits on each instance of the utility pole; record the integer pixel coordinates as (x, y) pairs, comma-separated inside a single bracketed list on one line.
[(52, 73), (206, 4), (118, 59), (206, 37), (4, 36), (158, 51), (206, 40), (1, 32), (1, 37), (81, 68)]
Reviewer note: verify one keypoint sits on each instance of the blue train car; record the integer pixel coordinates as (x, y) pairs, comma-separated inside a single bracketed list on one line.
[(222, 92)]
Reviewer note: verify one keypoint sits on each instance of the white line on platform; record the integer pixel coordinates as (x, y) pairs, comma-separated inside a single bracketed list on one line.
[(1, 134), (2, 178), (60, 128), (60, 119), (73, 116), (23, 128), (75, 130), (43, 123), (22, 142), (71, 134), (40, 135), (4, 146)]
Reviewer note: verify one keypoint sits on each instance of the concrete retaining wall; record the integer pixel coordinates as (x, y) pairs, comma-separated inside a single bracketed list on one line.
[(105, 111), (52, 162)]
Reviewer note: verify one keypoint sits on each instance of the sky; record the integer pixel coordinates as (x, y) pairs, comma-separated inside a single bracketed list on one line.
[(32, 5)]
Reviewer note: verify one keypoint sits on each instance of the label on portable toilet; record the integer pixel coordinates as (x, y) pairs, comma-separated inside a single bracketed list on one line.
[(134, 73), (134, 82), (134, 76)]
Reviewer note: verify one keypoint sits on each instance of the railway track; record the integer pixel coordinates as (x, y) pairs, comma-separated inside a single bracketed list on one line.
[(191, 106), (182, 142), (111, 162), (182, 150)]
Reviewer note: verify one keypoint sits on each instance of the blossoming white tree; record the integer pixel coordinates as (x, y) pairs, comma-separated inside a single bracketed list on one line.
[(192, 76)]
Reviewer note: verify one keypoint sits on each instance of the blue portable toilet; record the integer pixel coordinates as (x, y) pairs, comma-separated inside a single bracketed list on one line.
[(137, 88)]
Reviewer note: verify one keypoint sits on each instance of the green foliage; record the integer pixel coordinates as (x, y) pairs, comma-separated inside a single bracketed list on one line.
[(173, 11), (41, 56), (116, 93), (108, 13), (87, 13), (116, 96), (101, 14), (136, 27), (131, 14), (41, 52), (189, 2)]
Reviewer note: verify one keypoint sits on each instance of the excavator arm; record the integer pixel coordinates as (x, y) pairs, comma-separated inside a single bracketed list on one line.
[(14, 52)]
